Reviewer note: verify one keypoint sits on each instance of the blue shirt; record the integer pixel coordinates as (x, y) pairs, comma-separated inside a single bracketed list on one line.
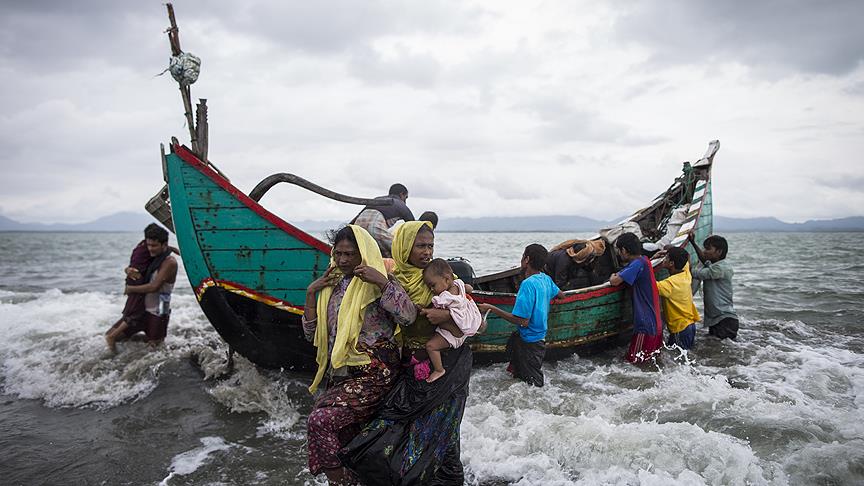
[(532, 303), (639, 275)]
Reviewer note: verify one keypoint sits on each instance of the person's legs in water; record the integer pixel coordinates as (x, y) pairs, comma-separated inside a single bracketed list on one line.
[(725, 329), (114, 334), (323, 430), (156, 328), (511, 352)]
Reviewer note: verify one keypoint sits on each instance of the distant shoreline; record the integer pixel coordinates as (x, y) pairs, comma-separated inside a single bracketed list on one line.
[(135, 222)]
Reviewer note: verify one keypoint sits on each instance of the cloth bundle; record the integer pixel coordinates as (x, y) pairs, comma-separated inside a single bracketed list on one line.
[(185, 68)]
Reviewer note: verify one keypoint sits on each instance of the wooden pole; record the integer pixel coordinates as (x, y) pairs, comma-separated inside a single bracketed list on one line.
[(185, 93), (201, 129)]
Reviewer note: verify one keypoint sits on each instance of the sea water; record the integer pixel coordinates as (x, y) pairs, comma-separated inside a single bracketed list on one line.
[(782, 405)]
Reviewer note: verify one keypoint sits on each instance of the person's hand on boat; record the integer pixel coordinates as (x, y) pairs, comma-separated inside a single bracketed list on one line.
[(484, 307), (326, 280), (370, 275)]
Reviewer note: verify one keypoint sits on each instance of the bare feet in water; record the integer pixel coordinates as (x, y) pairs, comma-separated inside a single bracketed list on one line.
[(435, 375), (112, 343)]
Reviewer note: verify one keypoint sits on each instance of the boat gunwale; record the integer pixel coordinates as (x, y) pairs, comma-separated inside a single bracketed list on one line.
[(189, 157)]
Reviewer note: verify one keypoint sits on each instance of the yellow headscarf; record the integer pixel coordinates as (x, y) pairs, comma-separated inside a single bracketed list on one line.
[(358, 296), (411, 279)]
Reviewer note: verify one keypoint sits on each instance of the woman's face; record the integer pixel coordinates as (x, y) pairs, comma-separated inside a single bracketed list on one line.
[(347, 256), (421, 252)]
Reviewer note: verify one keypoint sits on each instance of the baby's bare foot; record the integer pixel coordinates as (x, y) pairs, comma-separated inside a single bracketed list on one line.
[(435, 375)]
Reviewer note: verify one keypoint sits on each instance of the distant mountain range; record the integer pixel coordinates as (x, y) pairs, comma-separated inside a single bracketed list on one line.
[(129, 221), (126, 221)]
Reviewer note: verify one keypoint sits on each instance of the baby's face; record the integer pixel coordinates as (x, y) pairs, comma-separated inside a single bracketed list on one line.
[(436, 283)]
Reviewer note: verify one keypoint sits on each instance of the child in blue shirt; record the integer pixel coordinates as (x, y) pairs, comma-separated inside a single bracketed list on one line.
[(527, 346)]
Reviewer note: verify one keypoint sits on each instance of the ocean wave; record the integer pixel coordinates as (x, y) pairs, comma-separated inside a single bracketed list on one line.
[(250, 389), (55, 349)]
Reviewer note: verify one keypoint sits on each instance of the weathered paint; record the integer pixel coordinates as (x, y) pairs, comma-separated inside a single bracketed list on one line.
[(250, 270), (570, 323)]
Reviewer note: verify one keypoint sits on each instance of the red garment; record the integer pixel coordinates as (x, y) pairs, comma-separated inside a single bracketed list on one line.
[(154, 327), (140, 259), (643, 348)]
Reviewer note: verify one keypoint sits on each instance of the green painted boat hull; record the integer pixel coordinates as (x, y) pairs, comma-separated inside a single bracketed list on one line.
[(249, 270)]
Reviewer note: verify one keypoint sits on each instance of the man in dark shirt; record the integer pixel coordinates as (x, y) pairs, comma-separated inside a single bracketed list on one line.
[(377, 220), (574, 267)]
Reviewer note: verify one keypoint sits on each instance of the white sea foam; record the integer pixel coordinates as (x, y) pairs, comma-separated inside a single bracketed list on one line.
[(188, 462), (55, 349), (609, 423), (251, 389), (526, 435)]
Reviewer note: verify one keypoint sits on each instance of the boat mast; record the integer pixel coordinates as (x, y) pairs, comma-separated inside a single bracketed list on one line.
[(197, 131)]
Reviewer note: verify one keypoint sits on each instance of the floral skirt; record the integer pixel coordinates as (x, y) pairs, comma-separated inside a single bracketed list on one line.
[(347, 404)]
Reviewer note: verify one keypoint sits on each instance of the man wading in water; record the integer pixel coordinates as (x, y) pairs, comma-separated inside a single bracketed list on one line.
[(148, 313)]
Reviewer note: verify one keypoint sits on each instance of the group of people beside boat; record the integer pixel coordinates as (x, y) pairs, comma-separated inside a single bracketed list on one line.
[(380, 417), (674, 295), (392, 368)]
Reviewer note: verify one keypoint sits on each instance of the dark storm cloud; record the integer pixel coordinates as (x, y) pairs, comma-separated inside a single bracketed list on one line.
[(337, 25), (48, 36), (771, 36)]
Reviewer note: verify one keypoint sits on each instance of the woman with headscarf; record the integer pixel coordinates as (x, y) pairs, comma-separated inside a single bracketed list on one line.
[(353, 313), (414, 439)]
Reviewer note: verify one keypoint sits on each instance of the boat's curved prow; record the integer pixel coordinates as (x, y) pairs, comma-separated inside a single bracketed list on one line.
[(248, 267), (708, 158)]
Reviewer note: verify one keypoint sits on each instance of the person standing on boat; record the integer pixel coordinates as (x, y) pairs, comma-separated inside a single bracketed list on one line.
[(639, 276), (527, 346), (414, 438), (715, 275), (352, 315), (149, 292), (378, 220)]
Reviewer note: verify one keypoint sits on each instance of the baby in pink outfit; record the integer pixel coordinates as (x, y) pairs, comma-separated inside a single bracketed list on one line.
[(450, 295)]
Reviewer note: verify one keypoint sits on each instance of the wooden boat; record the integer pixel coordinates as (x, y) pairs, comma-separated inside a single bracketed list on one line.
[(249, 268)]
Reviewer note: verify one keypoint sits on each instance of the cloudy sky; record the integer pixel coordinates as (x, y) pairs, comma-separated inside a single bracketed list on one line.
[(480, 108)]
